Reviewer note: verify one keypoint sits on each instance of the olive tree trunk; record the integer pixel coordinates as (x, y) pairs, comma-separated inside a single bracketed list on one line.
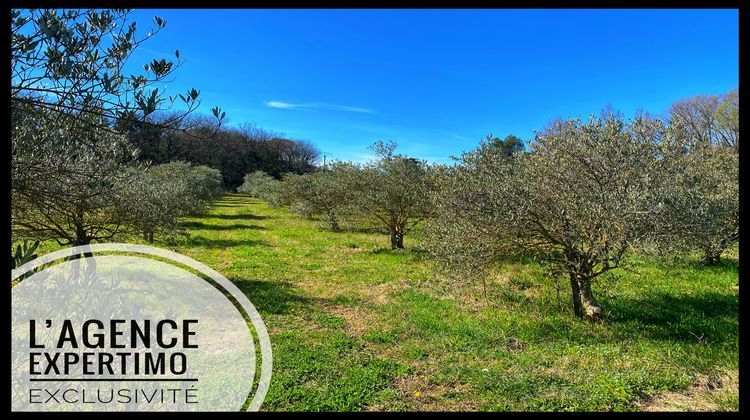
[(711, 259), (397, 239), (584, 304), (712, 255), (333, 221)]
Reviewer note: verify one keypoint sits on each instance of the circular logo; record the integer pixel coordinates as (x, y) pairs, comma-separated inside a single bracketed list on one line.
[(112, 327)]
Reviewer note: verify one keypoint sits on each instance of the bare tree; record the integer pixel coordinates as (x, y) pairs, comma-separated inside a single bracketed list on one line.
[(707, 120)]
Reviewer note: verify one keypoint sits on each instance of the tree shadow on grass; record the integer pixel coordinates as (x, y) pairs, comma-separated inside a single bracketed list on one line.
[(239, 217), (706, 317), (275, 297), (725, 265), (363, 229), (238, 198), (204, 226), (233, 202), (203, 242)]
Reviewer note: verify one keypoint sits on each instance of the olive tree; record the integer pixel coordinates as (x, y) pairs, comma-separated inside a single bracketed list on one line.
[(394, 190), (584, 194), (325, 192), (71, 96), (256, 184), (508, 146), (73, 62), (261, 185), (152, 201), (704, 194), (705, 191), (65, 180)]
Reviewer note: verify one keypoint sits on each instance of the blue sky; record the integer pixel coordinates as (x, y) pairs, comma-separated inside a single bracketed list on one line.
[(437, 81)]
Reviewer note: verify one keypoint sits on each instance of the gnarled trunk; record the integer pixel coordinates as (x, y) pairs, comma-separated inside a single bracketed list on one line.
[(589, 306), (397, 239), (576, 296), (711, 257), (584, 304), (333, 222)]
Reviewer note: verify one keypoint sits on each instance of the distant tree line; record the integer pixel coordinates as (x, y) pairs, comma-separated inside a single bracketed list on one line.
[(234, 151)]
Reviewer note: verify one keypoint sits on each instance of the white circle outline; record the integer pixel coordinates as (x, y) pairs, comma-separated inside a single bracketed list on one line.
[(260, 327)]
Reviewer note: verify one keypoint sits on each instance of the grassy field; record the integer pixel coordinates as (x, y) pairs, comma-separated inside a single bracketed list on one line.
[(355, 326)]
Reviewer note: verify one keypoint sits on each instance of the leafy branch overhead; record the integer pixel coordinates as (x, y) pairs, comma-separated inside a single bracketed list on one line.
[(73, 62)]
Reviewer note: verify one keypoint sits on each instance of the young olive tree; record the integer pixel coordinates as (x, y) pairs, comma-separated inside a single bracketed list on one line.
[(705, 189), (152, 201), (582, 196), (394, 190), (325, 192), (256, 184), (261, 185)]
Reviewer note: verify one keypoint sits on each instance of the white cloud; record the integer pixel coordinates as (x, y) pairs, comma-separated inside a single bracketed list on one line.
[(317, 105), (281, 105)]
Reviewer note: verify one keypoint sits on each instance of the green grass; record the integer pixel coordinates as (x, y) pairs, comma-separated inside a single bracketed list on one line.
[(355, 326)]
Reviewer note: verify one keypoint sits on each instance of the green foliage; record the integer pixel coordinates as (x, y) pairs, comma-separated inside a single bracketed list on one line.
[(23, 253), (152, 201), (261, 185), (73, 62), (582, 196), (704, 194), (407, 329), (705, 190), (324, 193), (71, 97), (394, 190), (65, 175)]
